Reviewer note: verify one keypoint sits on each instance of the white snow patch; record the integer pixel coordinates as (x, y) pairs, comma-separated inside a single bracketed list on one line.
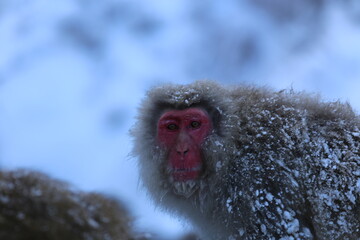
[(287, 215), (356, 134), (293, 227), (219, 144), (263, 228), (358, 185), (229, 207), (218, 165), (93, 223), (325, 162), (269, 197)]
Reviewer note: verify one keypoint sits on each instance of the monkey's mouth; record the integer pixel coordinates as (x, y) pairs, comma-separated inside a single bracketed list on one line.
[(185, 188), (185, 174)]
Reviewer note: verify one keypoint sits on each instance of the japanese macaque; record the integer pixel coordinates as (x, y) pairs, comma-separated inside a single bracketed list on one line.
[(250, 163), (36, 207)]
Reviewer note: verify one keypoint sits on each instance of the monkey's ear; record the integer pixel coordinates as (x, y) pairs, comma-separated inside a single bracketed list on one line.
[(216, 115)]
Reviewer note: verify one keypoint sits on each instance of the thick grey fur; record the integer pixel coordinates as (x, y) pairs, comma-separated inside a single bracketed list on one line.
[(279, 165)]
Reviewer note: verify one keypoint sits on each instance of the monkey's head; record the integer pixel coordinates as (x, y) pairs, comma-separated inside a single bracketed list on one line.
[(179, 137)]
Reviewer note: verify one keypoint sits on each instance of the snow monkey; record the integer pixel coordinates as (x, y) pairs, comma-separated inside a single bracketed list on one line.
[(250, 163)]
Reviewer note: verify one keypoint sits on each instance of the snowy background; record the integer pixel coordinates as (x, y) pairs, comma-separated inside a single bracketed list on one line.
[(73, 72)]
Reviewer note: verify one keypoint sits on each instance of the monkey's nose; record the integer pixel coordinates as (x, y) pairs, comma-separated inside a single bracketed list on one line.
[(182, 145), (182, 149), (182, 152)]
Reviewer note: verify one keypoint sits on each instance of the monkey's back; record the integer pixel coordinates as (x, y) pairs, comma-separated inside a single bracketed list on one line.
[(297, 165)]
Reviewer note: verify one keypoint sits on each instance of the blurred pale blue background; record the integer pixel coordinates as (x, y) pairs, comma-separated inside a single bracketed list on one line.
[(73, 72)]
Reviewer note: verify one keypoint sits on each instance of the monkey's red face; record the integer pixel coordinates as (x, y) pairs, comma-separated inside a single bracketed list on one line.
[(182, 132)]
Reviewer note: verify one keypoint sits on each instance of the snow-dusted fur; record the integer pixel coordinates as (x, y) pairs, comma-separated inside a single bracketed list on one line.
[(279, 165)]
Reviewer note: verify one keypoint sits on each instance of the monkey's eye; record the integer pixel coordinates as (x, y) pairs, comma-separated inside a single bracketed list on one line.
[(195, 124), (172, 127)]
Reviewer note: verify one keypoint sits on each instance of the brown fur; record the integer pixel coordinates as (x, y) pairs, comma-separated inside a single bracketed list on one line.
[(34, 206)]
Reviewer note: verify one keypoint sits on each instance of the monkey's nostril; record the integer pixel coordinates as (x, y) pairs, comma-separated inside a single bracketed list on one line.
[(182, 152)]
